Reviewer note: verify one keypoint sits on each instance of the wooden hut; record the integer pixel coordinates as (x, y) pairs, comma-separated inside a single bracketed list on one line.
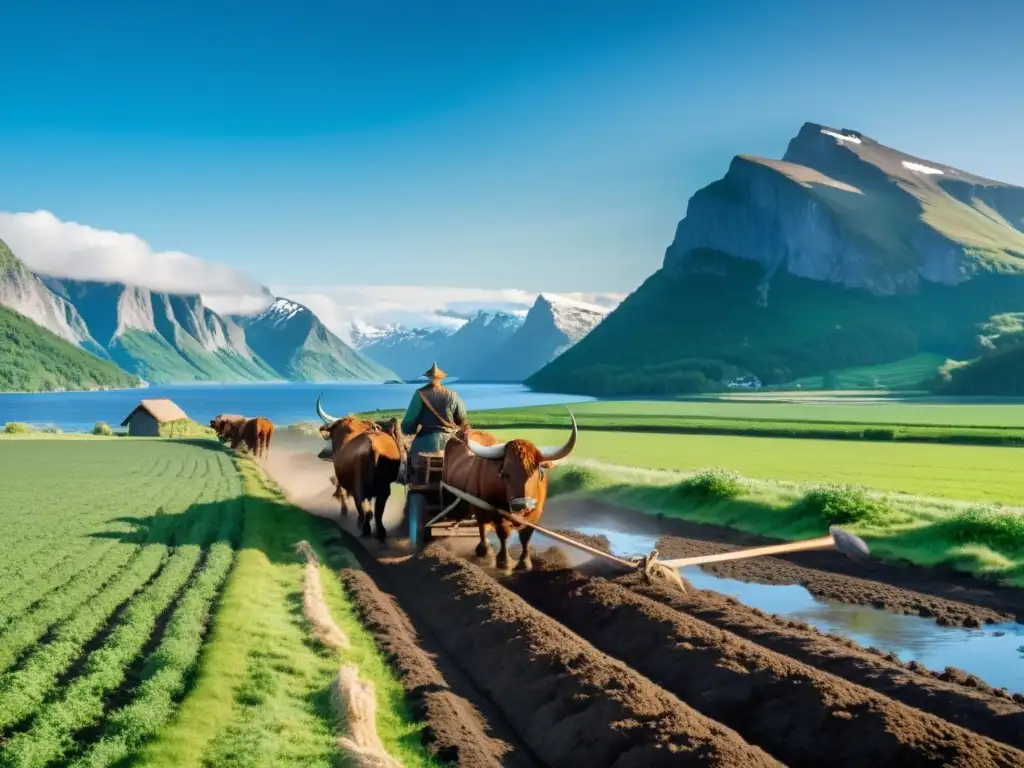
[(148, 415)]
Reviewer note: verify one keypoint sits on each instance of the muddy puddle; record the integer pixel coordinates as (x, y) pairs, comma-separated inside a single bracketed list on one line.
[(995, 653)]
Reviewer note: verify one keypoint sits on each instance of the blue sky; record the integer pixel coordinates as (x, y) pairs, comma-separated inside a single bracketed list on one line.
[(534, 145)]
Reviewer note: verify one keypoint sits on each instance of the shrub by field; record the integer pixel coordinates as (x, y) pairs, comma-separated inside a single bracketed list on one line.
[(149, 614)]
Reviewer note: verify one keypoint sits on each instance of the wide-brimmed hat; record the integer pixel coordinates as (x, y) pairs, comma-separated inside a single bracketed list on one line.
[(434, 372)]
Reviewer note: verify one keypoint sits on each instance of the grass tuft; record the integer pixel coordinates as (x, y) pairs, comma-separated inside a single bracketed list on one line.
[(1000, 528)]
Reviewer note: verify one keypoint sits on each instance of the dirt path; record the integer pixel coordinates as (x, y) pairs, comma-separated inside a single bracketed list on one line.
[(560, 666)]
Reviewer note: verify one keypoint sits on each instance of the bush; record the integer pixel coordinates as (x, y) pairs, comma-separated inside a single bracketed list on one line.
[(713, 484), (879, 434), (102, 428), (836, 504), (572, 479), (52, 429), (1001, 529), (18, 428)]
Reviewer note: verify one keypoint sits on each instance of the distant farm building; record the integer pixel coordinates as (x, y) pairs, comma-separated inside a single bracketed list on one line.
[(148, 415)]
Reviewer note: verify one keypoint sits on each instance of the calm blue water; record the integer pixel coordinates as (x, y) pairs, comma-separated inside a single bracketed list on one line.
[(281, 403)]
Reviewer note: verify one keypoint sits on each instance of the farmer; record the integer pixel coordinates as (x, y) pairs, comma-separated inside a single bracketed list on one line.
[(434, 415)]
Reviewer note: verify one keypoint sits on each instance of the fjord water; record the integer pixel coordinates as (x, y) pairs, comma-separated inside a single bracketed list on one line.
[(281, 403)]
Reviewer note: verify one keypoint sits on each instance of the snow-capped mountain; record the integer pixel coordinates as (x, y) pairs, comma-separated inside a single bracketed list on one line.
[(479, 349), (552, 325), (293, 341)]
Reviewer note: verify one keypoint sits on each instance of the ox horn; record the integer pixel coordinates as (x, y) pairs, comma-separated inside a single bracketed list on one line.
[(551, 453), (328, 419), (486, 451)]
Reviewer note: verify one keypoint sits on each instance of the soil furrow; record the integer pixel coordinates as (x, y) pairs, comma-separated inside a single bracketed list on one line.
[(801, 715), (456, 731), (980, 708), (571, 704)]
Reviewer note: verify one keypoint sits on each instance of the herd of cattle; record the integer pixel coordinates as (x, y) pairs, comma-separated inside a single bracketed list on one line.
[(487, 477)]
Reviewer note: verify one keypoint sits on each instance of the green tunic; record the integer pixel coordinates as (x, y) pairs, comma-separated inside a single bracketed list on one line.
[(433, 434)]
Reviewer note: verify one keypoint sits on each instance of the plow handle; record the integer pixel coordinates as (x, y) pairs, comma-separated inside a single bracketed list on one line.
[(775, 549)]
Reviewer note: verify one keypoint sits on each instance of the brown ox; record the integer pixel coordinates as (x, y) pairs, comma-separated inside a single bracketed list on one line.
[(367, 456), (254, 433), (224, 425), (341, 431), (492, 476)]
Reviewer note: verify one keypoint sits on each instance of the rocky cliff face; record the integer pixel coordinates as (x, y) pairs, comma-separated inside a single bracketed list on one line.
[(26, 294), (844, 253), (293, 341), (842, 208)]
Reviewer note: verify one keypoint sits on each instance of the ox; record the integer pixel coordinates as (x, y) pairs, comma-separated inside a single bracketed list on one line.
[(492, 476), (367, 456), (225, 424), (254, 433)]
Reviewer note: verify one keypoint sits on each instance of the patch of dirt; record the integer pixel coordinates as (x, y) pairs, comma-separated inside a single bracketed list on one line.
[(801, 715)]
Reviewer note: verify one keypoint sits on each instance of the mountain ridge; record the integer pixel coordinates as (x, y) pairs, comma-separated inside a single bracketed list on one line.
[(843, 253), (171, 338)]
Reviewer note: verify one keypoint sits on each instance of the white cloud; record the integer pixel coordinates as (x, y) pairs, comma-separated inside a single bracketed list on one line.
[(51, 246), (414, 306)]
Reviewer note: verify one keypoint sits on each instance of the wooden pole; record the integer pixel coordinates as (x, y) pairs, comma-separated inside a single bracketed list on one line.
[(775, 549)]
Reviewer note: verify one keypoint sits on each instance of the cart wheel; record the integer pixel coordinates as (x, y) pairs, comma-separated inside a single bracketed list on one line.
[(417, 518)]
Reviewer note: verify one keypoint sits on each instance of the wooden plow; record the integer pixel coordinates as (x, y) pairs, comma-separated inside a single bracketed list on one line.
[(668, 570)]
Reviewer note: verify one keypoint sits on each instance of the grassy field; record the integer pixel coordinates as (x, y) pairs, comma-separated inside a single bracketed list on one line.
[(981, 539), (815, 415), (909, 373), (951, 471), (835, 408), (151, 613)]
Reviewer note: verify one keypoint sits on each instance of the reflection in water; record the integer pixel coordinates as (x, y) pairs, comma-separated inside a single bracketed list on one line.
[(993, 653)]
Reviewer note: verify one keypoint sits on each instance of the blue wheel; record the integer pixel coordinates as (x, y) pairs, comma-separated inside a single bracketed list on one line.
[(417, 506)]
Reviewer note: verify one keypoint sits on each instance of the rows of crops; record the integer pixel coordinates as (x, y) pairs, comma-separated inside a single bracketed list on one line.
[(149, 614), (113, 558)]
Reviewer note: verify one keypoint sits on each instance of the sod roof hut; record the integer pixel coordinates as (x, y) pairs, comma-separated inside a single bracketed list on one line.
[(148, 415)]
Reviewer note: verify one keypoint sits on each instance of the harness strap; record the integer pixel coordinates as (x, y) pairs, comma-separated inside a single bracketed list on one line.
[(444, 422)]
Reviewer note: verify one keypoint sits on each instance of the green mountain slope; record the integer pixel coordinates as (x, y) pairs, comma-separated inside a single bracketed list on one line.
[(164, 338), (846, 253), (33, 359), (293, 342)]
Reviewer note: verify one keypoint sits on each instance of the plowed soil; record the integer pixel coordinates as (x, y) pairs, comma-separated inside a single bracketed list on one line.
[(585, 666), (946, 596)]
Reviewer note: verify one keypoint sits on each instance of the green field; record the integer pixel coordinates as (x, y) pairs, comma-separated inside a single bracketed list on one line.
[(956, 472), (910, 373), (819, 415), (833, 408), (151, 613)]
